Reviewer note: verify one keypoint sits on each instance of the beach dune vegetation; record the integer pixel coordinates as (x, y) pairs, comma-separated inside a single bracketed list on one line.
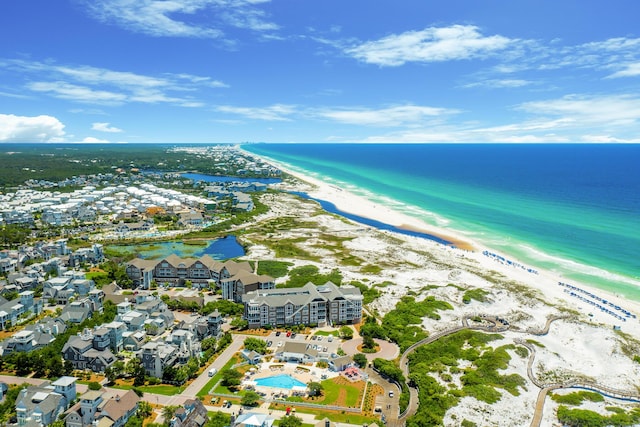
[(274, 269), (403, 325), (302, 275), (481, 379)]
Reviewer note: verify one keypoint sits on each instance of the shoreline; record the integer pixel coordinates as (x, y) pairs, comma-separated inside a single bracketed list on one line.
[(546, 281)]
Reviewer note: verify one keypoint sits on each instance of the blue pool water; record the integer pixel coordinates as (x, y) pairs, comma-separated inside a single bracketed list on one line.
[(280, 381)]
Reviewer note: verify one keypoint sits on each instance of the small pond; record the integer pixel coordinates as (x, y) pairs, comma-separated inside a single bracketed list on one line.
[(220, 249)]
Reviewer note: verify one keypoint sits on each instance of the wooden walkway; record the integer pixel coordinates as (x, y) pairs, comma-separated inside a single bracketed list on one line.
[(631, 396), (499, 325)]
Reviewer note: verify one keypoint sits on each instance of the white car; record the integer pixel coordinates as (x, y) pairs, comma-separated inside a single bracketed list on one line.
[(280, 344)]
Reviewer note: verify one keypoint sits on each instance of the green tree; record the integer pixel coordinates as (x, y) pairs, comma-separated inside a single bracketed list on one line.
[(290, 421), (208, 344), (68, 367), (315, 388), (255, 344), (231, 377), (360, 359), (135, 368), (93, 385), (346, 332), (144, 409), (368, 342), (168, 412), (218, 419), (250, 398), (240, 323)]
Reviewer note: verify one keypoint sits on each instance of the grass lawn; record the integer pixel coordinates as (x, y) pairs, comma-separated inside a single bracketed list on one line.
[(217, 377), (338, 392), (335, 416)]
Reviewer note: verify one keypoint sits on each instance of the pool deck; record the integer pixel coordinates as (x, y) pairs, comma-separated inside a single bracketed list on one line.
[(303, 373)]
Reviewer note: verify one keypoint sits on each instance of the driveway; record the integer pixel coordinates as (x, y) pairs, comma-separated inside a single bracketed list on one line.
[(387, 350)]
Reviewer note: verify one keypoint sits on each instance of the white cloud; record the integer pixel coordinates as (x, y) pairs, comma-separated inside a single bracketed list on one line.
[(629, 70), (30, 129), (92, 140), (611, 110), (74, 92), (405, 115), (108, 87), (162, 18), (499, 83), (433, 44), (277, 112), (105, 127)]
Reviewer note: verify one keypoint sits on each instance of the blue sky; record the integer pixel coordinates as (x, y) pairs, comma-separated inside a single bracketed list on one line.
[(208, 71)]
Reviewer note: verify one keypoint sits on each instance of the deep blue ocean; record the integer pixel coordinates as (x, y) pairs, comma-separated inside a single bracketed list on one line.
[(570, 208)]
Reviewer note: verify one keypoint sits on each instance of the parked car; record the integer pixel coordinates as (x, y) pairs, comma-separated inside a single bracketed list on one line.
[(390, 394), (278, 333), (330, 339)]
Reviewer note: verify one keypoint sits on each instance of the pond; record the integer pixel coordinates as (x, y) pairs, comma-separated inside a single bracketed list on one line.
[(220, 249)]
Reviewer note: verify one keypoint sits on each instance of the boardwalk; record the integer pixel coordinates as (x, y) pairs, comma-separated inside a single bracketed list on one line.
[(412, 407), (631, 396)]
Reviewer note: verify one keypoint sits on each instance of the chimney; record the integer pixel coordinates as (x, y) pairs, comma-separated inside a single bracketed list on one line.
[(327, 423), (117, 398)]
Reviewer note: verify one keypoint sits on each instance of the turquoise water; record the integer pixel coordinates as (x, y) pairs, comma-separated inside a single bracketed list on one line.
[(219, 249), (570, 208), (280, 381)]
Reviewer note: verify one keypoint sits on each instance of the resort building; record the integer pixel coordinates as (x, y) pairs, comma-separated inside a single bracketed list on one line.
[(308, 305), (234, 278)]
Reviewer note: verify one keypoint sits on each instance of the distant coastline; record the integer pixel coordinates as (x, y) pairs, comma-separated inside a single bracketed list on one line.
[(578, 270)]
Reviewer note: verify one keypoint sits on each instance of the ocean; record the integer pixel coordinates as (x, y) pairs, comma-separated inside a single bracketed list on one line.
[(573, 209)]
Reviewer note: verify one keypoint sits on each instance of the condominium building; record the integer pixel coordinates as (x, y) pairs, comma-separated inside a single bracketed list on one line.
[(310, 304)]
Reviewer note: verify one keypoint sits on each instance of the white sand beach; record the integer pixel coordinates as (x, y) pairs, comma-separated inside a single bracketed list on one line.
[(581, 346)]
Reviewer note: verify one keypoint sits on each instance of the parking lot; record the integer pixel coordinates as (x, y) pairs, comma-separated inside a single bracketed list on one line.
[(324, 344)]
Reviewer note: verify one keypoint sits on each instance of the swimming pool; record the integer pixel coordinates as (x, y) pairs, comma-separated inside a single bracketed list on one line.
[(280, 381)]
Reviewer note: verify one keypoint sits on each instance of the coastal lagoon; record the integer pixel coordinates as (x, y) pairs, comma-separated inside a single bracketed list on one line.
[(219, 249), (216, 178), (569, 208)]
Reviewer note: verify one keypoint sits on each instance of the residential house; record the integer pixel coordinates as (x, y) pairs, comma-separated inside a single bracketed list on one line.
[(156, 356), (133, 341), (191, 414), (76, 312), (188, 346), (103, 409), (191, 219), (85, 351), (41, 405), (12, 311), (253, 419)]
